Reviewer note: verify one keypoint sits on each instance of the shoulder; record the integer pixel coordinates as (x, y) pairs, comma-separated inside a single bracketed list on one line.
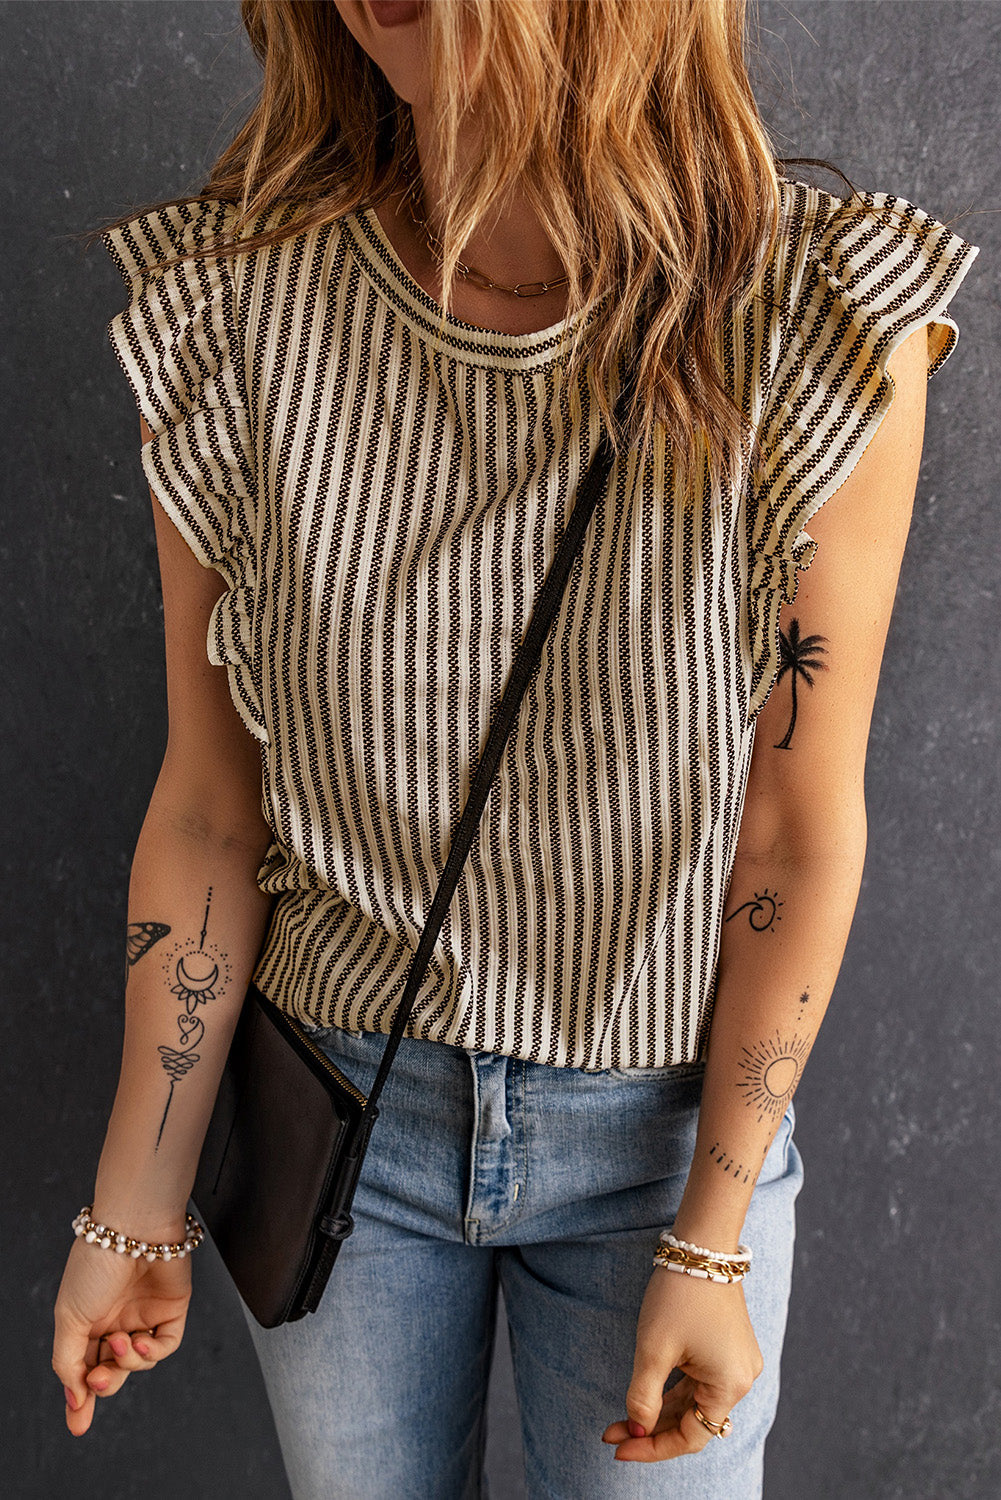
[(873, 258), (858, 277), (861, 251), (139, 244)]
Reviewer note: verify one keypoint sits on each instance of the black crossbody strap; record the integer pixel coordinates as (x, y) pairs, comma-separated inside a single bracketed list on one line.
[(528, 655)]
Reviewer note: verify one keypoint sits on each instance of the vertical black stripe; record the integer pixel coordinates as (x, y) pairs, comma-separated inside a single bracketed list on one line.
[(383, 500)]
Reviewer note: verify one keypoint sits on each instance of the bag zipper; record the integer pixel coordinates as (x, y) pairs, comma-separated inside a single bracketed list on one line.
[(330, 1067)]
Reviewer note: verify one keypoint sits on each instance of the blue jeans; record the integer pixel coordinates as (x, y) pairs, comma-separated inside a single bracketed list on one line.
[(554, 1182)]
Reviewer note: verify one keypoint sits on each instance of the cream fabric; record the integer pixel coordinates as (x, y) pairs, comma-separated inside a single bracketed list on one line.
[(384, 499)]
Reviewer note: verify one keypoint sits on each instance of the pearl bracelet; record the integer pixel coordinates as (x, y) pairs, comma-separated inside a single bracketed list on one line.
[(741, 1253), (124, 1244)]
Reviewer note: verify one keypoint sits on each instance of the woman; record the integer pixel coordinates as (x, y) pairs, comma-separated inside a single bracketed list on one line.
[(375, 440)]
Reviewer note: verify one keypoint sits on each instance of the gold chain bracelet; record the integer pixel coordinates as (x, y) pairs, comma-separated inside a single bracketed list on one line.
[(711, 1268)]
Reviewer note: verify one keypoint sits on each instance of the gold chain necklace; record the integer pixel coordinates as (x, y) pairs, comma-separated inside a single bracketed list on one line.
[(523, 289)]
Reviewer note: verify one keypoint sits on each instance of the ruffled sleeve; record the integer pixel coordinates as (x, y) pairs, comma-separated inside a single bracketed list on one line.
[(864, 276), (178, 341)]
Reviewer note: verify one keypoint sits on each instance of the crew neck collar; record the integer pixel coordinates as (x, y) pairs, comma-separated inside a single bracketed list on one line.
[(465, 341)]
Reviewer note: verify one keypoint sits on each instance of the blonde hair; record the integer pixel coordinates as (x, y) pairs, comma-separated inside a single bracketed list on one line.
[(632, 129)]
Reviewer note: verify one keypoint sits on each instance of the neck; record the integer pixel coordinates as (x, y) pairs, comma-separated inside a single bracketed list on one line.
[(510, 247)]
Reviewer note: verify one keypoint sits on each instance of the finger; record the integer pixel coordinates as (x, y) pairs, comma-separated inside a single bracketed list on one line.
[(106, 1379), (671, 1442), (717, 1401), (675, 1402), (682, 1434), (618, 1432), (697, 1434), (71, 1359), (121, 1348), (645, 1398), (79, 1413), (151, 1348), (672, 1435)]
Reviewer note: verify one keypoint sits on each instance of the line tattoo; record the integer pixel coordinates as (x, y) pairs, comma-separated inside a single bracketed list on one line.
[(799, 658), (771, 1072), (764, 911), (725, 1160), (199, 975)]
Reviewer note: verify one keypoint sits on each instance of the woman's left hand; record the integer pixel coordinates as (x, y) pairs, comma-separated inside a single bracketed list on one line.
[(702, 1328)]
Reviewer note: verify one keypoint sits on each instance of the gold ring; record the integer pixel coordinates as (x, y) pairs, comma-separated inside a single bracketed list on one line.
[(718, 1429)]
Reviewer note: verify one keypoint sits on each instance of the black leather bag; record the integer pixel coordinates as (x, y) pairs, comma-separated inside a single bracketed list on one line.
[(279, 1163), (284, 1146)]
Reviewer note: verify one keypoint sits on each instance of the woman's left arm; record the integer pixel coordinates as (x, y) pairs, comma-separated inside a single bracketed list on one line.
[(791, 901)]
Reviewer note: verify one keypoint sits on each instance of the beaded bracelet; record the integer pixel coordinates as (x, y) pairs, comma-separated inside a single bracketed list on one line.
[(675, 1254), (680, 1260), (742, 1252), (124, 1244)]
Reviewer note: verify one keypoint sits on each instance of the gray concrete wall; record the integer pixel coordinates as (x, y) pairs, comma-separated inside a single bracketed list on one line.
[(890, 1381)]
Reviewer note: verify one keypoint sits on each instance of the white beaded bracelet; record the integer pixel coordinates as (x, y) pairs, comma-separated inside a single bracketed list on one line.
[(676, 1254), (124, 1244), (742, 1252)]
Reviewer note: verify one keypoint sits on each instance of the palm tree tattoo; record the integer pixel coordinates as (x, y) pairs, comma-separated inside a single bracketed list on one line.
[(799, 658)]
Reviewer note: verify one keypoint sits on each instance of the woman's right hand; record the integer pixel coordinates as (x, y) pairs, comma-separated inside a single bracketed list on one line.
[(105, 1295)]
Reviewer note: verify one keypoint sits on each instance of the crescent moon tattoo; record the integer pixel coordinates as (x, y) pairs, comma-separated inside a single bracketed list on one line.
[(196, 972), (195, 988)]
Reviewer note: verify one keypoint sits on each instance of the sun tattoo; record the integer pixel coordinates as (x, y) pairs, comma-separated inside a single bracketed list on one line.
[(199, 974), (771, 1072), (763, 912)]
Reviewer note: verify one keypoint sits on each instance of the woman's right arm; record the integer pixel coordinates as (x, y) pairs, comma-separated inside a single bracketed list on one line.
[(197, 920)]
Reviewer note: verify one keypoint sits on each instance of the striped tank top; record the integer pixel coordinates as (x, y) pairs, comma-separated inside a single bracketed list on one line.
[(383, 498)]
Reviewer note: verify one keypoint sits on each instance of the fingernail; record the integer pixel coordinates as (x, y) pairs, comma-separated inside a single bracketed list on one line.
[(99, 1385), (120, 1346), (70, 1398), (635, 1430), (142, 1349)]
